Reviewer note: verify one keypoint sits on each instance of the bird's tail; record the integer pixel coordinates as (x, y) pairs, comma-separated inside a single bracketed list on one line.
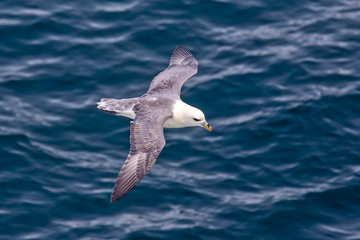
[(120, 107)]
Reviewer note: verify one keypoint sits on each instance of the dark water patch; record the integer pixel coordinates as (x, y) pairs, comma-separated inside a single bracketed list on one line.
[(278, 81)]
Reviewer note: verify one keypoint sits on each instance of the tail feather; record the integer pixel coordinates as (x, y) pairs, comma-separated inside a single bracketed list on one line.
[(120, 107)]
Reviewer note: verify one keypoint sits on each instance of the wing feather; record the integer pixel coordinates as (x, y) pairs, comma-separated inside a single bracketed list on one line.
[(146, 142), (182, 66)]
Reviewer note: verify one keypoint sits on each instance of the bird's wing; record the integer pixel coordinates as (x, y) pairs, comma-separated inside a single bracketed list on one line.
[(182, 66), (146, 142)]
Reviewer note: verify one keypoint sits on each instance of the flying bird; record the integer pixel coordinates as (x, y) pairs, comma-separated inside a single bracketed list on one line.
[(161, 106)]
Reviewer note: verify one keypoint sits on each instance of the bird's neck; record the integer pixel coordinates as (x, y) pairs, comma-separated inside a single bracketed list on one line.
[(181, 111), (179, 115)]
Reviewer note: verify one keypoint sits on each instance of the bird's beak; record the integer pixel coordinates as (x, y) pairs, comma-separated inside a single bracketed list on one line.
[(206, 126)]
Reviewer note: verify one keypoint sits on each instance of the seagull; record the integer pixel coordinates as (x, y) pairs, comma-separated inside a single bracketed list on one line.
[(161, 106)]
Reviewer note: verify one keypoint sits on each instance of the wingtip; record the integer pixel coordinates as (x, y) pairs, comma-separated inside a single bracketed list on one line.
[(179, 46), (181, 55), (112, 199), (115, 197)]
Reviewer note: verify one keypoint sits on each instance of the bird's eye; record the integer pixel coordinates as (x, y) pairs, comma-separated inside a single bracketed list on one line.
[(196, 119)]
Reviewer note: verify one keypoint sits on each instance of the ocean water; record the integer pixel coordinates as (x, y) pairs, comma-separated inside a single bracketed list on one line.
[(279, 81)]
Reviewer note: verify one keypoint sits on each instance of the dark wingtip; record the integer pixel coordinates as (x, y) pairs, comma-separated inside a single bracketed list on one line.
[(114, 198), (179, 46), (181, 55)]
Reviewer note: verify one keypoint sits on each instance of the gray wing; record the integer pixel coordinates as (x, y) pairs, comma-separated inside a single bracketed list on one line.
[(146, 140), (182, 66)]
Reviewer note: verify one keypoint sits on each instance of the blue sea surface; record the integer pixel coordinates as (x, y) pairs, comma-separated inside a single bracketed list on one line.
[(279, 81)]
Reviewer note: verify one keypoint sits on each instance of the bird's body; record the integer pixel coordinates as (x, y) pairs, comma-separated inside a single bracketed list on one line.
[(159, 107), (124, 108)]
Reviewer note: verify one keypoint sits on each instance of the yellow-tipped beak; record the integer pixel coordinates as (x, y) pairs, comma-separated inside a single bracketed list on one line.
[(206, 126)]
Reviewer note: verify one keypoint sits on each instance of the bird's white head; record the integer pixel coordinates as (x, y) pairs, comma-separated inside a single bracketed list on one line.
[(190, 116)]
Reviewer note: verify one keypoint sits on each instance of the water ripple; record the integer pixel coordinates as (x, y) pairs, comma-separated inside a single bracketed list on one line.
[(279, 82)]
